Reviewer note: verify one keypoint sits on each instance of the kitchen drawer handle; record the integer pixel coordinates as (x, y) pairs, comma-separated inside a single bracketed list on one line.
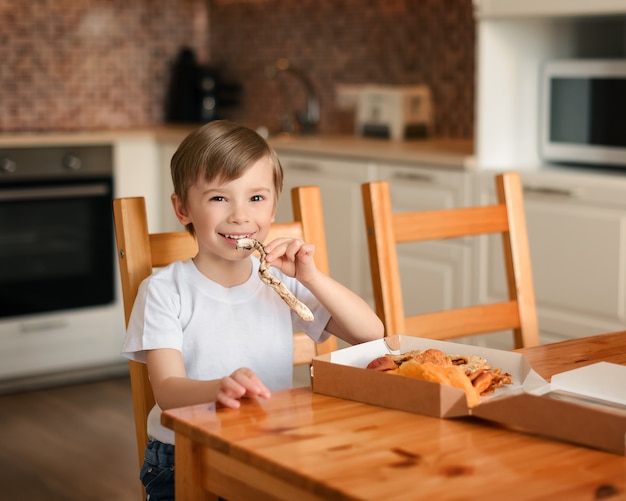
[(305, 167), (413, 176), (545, 190)]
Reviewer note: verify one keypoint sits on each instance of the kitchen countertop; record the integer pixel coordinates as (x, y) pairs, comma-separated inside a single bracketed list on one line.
[(59, 138), (444, 152), (457, 153)]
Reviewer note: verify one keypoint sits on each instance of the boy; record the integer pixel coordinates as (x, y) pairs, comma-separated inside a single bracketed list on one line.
[(209, 329)]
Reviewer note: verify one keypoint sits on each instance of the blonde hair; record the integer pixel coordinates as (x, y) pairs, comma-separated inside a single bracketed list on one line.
[(220, 150)]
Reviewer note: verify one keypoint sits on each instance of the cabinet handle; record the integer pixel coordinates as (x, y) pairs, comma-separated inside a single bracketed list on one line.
[(305, 167), (545, 190), (413, 176)]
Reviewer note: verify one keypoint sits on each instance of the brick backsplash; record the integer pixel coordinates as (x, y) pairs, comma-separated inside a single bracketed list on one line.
[(105, 64), (91, 64), (348, 41)]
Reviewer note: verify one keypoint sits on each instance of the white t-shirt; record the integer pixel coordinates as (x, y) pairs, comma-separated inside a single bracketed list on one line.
[(219, 329)]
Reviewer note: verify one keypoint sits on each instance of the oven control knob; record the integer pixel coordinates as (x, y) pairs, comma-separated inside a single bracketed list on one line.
[(72, 162), (7, 165)]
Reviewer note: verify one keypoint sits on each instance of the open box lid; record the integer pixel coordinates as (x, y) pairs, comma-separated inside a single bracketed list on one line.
[(602, 381), (585, 406)]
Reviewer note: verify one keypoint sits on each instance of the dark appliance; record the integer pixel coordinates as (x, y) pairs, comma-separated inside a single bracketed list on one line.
[(56, 229), (196, 93)]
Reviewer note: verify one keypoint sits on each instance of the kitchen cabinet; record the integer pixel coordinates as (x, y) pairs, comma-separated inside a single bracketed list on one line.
[(75, 341), (135, 162), (166, 211), (577, 237), (435, 275), (340, 182), (575, 219)]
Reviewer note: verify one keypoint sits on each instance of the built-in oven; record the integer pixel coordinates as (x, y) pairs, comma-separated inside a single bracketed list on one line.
[(58, 293), (56, 235)]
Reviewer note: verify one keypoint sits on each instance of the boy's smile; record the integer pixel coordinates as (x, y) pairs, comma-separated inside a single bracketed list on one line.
[(238, 236)]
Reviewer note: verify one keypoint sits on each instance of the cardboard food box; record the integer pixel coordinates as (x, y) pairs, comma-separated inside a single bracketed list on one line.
[(585, 406)]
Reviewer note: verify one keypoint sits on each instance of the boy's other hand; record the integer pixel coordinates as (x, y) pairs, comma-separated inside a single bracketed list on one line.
[(243, 383)]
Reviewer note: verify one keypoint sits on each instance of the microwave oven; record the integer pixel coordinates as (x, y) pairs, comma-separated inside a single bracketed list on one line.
[(583, 112)]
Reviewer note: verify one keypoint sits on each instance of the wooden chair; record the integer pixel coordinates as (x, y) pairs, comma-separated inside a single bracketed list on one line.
[(386, 229), (139, 252)]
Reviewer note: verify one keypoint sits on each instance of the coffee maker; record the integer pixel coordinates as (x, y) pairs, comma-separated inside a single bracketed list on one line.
[(196, 94)]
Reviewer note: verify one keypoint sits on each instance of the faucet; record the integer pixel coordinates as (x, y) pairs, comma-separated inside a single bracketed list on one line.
[(309, 118)]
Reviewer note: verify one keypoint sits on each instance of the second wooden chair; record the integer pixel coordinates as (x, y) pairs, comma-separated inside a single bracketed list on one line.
[(385, 229)]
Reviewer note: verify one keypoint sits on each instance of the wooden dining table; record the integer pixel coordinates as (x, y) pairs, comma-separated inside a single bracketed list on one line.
[(299, 445)]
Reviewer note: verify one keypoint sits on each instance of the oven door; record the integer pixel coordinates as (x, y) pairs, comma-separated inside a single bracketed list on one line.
[(56, 246)]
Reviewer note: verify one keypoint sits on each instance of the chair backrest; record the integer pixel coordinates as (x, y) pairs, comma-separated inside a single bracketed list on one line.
[(139, 252), (385, 229)]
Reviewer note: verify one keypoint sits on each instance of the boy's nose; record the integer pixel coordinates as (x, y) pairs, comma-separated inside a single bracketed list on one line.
[(239, 214)]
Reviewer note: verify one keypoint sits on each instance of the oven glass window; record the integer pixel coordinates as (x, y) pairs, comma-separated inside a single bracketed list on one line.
[(56, 247)]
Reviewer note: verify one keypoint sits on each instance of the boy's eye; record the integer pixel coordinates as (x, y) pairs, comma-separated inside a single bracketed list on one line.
[(217, 199), (258, 198)]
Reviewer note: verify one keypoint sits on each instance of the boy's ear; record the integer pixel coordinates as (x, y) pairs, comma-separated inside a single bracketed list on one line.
[(180, 210)]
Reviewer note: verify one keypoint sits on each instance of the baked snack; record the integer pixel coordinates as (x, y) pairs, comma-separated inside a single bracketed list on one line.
[(382, 364), (301, 309), (470, 373), (451, 375)]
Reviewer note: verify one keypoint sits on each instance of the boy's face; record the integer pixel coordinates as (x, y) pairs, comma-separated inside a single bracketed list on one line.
[(222, 212)]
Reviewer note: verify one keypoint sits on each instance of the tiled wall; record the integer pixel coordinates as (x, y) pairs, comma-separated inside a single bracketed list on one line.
[(348, 41), (91, 64), (97, 64)]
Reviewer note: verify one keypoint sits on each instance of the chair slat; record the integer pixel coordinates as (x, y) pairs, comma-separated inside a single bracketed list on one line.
[(464, 321), (450, 223), (168, 247)]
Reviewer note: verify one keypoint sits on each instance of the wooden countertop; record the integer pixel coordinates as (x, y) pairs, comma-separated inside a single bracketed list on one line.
[(452, 153), (456, 153), (60, 138)]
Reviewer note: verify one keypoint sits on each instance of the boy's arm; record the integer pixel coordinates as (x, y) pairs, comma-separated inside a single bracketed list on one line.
[(352, 319), (172, 388)]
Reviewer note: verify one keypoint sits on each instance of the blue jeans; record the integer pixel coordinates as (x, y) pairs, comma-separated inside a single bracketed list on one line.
[(157, 473)]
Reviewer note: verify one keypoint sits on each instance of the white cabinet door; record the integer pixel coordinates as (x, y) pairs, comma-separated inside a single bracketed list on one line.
[(340, 184), (168, 218), (577, 243), (435, 275), (579, 266), (136, 175)]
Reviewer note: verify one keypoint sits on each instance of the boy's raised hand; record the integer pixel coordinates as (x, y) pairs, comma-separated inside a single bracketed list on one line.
[(293, 257)]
